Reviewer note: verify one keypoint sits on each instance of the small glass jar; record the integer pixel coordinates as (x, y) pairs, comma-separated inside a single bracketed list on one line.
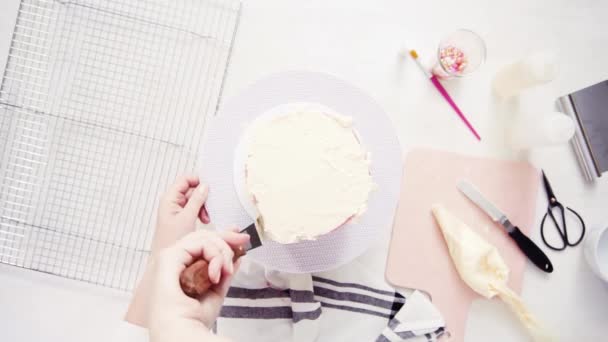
[(459, 54)]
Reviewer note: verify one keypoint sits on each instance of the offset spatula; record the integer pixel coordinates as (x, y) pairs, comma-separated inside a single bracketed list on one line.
[(529, 248), (195, 281)]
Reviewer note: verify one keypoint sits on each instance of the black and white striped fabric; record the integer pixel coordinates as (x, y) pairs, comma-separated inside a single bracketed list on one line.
[(348, 304)]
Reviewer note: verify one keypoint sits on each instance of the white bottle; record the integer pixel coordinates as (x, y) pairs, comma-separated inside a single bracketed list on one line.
[(535, 69), (531, 130)]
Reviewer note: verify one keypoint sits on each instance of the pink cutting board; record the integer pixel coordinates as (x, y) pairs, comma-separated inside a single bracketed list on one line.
[(418, 257)]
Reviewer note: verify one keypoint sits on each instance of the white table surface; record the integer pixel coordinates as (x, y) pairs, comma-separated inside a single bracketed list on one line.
[(360, 41)]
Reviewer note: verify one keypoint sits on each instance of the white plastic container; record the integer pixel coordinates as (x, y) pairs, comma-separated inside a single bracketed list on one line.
[(596, 252), (533, 70), (531, 130)]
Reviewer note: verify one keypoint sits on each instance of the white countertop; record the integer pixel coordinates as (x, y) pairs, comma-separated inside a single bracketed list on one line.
[(360, 41)]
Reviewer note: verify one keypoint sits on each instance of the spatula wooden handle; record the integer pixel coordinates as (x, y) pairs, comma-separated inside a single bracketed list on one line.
[(195, 281)]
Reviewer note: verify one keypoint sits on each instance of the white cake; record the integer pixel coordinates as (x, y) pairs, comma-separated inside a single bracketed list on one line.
[(307, 173)]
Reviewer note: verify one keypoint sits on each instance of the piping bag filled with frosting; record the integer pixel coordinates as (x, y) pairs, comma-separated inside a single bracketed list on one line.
[(482, 268)]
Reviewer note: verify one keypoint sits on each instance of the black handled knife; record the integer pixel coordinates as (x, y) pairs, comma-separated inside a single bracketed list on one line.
[(529, 248)]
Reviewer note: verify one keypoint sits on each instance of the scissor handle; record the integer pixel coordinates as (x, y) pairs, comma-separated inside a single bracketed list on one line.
[(563, 229), (583, 228), (542, 232)]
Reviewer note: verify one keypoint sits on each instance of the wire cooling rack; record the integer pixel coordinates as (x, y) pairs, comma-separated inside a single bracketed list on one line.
[(102, 104)]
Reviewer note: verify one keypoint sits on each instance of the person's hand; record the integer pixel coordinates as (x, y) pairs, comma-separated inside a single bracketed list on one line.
[(177, 317), (178, 210)]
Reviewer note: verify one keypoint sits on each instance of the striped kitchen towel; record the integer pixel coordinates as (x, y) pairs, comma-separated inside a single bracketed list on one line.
[(347, 304)]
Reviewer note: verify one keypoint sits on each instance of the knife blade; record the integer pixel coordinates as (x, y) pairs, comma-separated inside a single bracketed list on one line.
[(476, 197), (194, 280), (254, 231), (527, 246)]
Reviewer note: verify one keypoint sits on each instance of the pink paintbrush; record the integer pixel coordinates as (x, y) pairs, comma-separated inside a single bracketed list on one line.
[(444, 93)]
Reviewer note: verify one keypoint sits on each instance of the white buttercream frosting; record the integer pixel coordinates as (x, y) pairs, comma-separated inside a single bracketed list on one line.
[(307, 173)]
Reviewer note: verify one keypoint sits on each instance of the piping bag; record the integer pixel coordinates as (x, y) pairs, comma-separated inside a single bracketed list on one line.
[(482, 268)]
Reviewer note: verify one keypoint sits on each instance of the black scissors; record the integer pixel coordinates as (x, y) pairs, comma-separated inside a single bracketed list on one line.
[(562, 230)]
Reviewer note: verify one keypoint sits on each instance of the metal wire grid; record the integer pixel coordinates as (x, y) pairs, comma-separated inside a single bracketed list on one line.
[(102, 104)]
